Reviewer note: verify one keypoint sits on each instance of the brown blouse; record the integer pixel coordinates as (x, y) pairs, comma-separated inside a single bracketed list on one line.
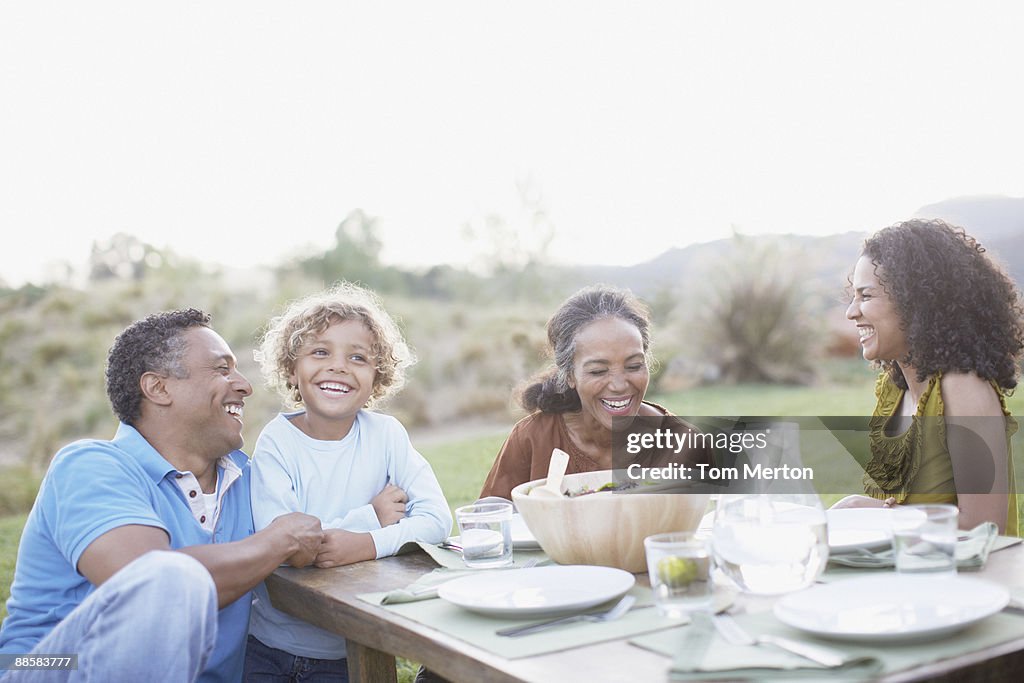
[(526, 453)]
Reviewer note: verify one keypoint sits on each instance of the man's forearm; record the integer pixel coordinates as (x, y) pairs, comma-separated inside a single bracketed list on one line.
[(239, 566)]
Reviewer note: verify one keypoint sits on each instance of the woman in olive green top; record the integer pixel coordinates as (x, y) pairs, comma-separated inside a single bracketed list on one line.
[(946, 327)]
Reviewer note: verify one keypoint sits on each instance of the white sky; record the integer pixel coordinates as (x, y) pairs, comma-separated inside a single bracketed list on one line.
[(239, 131)]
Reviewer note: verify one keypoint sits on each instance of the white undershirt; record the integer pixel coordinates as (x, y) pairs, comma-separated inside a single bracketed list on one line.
[(210, 501), (204, 506)]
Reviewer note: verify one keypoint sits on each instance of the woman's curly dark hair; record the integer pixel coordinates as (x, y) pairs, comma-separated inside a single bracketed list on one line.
[(154, 344), (550, 392), (959, 310)]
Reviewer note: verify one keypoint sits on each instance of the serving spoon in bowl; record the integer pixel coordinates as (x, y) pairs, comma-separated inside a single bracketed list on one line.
[(552, 487)]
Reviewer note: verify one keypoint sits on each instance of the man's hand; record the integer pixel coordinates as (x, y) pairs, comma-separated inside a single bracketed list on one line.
[(389, 505), (305, 534), (345, 547)]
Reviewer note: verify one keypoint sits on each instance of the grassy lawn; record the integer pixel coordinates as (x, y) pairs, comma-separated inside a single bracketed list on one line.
[(745, 399), (10, 534), (461, 466)]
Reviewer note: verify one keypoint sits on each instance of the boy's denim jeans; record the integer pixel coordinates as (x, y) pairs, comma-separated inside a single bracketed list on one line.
[(264, 664)]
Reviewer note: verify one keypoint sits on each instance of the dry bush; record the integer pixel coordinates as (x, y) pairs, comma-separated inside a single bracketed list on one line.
[(756, 320)]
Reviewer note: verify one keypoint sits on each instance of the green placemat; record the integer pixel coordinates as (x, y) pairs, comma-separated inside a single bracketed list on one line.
[(712, 658), (453, 559), (884, 562), (479, 630)]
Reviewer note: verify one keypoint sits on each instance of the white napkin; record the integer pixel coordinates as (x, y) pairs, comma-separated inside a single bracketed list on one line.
[(971, 552)]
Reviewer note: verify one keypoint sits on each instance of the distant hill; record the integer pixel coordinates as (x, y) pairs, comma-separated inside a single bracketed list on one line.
[(828, 259), (996, 221), (993, 216)]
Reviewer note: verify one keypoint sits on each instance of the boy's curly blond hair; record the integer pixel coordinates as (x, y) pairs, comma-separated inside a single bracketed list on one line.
[(307, 317)]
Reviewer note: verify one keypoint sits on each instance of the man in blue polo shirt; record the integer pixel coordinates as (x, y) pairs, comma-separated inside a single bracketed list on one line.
[(139, 554)]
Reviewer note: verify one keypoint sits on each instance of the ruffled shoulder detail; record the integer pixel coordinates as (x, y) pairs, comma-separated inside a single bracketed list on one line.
[(1011, 423), (895, 460), (887, 395)]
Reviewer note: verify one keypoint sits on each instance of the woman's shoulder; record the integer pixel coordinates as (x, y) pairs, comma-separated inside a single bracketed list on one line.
[(668, 418), (966, 394), (652, 409), (536, 422)]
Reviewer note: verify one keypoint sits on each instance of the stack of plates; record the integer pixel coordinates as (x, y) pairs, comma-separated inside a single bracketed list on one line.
[(851, 529)]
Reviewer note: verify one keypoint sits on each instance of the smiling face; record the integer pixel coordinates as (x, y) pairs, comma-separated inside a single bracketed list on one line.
[(334, 373), (208, 400), (874, 313), (609, 370)]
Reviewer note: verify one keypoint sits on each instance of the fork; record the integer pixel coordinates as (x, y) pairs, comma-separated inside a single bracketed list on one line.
[(735, 634), (529, 564), (620, 608)]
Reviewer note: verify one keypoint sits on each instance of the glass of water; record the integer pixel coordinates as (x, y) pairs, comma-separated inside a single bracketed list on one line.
[(769, 544), (679, 566), (924, 538), (486, 534)]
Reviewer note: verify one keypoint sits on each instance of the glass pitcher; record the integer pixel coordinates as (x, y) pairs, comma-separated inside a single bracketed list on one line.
[(771, 537)]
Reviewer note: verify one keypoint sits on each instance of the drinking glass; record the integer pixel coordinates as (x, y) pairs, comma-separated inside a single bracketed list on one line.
[(771, 537), (486, 534), (770, 543), (924, 539), (679, 566)]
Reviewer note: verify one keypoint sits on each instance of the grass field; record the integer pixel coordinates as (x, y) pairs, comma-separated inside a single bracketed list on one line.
[(10, 534)]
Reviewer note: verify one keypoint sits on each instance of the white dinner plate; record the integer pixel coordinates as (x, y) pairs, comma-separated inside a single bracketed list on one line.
[(538, 591), (522, 537), (891, 607), (852, 528)]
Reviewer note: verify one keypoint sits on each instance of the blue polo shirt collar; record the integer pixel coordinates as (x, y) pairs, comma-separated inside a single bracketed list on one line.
[(129, 440)]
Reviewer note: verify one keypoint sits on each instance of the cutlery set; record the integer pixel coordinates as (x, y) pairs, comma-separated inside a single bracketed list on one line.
[(735, 634), (418, 592), (620, 608)]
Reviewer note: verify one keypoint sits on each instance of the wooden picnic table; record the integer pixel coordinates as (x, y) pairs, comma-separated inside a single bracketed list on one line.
[(375, 635)]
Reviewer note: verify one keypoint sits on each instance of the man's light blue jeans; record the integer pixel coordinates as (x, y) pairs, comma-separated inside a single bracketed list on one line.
[(154, 620)]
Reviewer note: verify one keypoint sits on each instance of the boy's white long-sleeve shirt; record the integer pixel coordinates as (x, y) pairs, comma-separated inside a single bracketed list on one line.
[(335, 481)]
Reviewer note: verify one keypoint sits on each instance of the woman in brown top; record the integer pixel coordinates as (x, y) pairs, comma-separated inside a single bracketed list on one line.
[(600, 342)]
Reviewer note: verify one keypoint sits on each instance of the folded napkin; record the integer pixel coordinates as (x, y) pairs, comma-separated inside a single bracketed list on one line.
[(452, 567), (425, 587), (452, 559), (700, 653), (971, 551)]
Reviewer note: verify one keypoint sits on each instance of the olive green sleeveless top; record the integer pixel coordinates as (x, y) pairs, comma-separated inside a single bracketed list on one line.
[(915, 467)]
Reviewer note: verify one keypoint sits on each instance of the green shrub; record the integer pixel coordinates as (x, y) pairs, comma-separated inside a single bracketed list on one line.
[(19, 490)]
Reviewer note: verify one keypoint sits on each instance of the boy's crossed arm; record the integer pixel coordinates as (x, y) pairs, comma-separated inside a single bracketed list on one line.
[(389, 505), (341, 547)]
